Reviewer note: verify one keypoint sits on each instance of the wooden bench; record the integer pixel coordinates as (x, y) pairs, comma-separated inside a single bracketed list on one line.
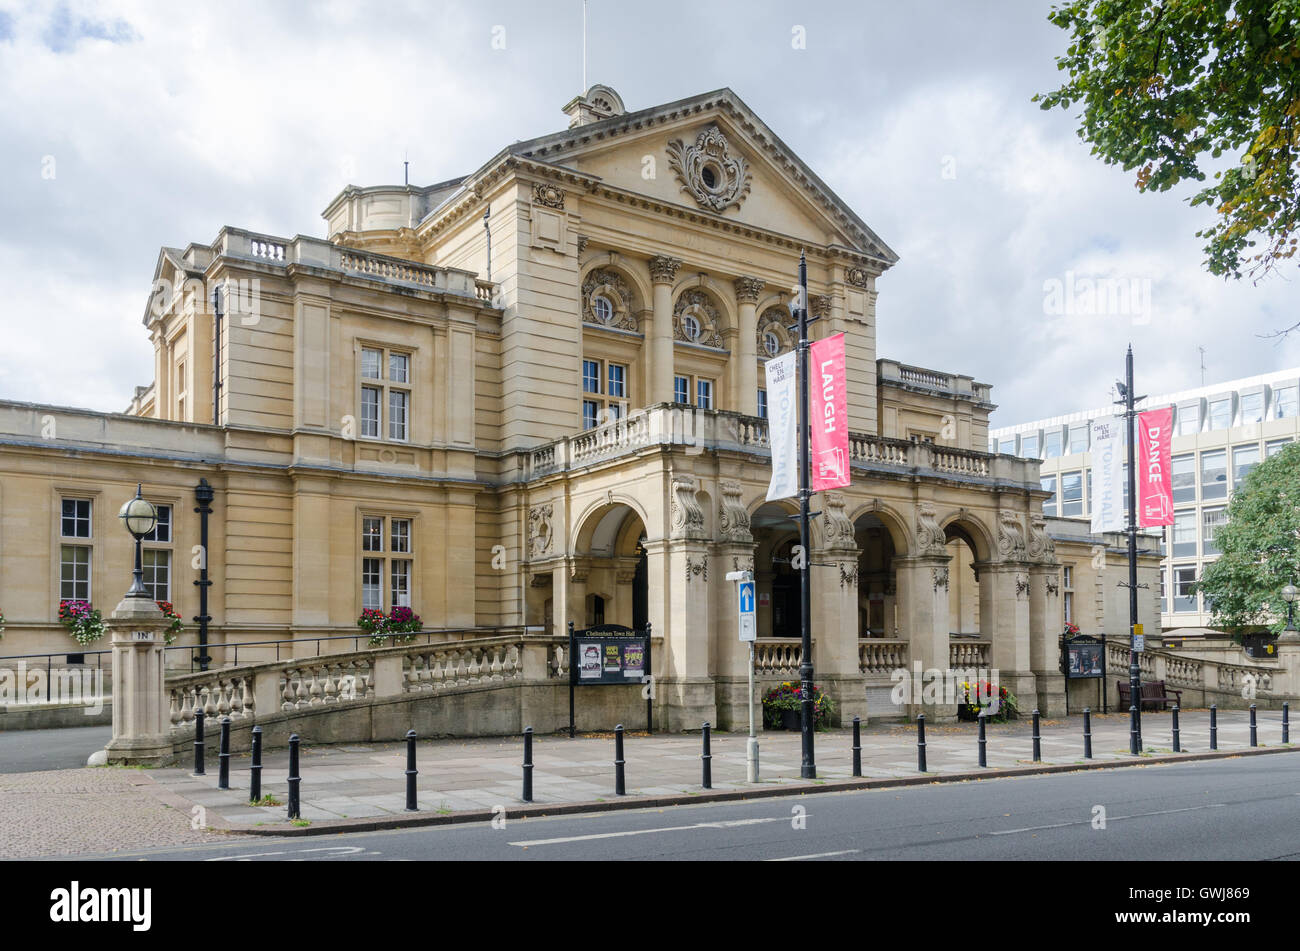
[(1155, 695)]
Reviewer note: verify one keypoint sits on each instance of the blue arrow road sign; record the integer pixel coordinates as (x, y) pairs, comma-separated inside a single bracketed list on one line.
[(747, 597)]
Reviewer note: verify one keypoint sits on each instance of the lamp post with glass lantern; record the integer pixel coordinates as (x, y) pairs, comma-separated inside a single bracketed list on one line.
[(1290, 634), (140, 517)]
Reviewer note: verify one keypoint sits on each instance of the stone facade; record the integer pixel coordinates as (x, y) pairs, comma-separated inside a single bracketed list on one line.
[(530, 396)]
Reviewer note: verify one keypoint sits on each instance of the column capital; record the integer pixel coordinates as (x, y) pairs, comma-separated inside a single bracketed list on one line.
[(663, 269), (748, 289)]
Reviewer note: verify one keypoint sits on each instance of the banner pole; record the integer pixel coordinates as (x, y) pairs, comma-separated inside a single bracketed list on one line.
[(1134, 670), (808, 767)]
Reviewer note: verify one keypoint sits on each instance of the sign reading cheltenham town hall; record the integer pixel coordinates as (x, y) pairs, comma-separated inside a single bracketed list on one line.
[(536, 394)]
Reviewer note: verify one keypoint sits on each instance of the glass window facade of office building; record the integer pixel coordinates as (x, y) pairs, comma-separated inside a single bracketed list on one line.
[(1286, 402), (1071, 493), (1184, 478), (1244, 459), (1221, 413), (1052, 444), (1214, 474), (1049, 485)]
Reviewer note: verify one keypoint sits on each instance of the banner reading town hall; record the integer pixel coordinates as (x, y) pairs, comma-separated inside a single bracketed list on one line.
[(782, 424), (1107, 474)]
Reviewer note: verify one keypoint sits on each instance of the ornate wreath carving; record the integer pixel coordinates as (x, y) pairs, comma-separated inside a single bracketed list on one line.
[(697, 304), (709, 171), (548, 195), (774, 321), (540, 531), (611, 286)]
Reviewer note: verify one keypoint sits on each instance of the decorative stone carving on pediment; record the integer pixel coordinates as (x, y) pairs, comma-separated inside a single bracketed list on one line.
[(698, 569), (663, 269), (686, 515), (610, 286), (1011, 536), (733, 520), (742, 564), (710, 172), (1040, 546), (698, 305), (940, 576), (857, 277), (548, 195), (540, 530), (837, 530), (930, 539)]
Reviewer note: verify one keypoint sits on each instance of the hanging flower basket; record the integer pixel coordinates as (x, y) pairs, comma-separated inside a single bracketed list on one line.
[(174, 628), (81, 621), (400, 625), (978, 695), (783, 706)]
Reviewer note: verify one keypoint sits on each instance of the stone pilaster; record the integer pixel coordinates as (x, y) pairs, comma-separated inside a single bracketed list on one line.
[(835, 610), (1004, 618), (922, 586), (1044, 650)]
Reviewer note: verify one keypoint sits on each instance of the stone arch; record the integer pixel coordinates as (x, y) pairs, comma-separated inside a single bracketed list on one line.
[(893, 521), (609, 277), (965, 526), (591, 518), (701, 298)]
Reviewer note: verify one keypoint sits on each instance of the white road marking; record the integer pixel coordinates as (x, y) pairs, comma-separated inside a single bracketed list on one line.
[(1109, 819), (817, 855), (630, 832), (338, 852)]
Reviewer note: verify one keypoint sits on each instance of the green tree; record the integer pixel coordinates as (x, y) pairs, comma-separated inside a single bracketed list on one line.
[(1260, 546), (1169, 87)]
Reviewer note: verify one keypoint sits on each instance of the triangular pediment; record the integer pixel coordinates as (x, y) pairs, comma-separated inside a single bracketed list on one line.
[(713, 155)]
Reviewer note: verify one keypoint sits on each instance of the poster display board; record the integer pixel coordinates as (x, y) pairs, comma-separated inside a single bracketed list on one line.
[(1083, 657), (607, 655)]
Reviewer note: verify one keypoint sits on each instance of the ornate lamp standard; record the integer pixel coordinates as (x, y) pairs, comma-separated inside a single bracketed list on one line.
[(1290, 634), (140, 517)]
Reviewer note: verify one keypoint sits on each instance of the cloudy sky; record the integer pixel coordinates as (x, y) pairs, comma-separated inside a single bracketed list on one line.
[(128, 126)]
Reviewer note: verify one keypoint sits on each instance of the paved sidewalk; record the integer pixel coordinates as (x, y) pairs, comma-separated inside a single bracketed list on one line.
[(347, 783)]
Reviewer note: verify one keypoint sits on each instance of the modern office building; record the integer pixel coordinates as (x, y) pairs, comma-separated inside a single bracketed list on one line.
[(1221, 432)]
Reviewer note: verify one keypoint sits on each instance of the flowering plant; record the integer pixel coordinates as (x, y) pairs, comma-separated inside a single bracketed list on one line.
[(789, 696), (1000, 702), (401, 624), (1071, 630), (82, 621), (175, 627)]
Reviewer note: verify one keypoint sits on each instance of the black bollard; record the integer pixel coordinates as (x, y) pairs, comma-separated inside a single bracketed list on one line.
[(1134, 737), (706, 758), (1286, 722), (1178, 745), (920, 743), (295, 812), (1038, 741), (198, 743), (223, 758), (1214, 726), (620, 787), (411, 772), (528, 764), (857, 746), (255, 770), (1254, 731), (984, 759), (1087, 733)]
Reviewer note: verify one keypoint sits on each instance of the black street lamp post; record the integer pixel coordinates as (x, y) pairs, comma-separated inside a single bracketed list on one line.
[(140, 517)]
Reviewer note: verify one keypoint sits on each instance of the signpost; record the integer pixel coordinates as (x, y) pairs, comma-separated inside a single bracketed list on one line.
[(746, 602), (606, 655)]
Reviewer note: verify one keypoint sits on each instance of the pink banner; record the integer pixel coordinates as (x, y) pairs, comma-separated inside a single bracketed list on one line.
[(828, 418), (1155, 470)]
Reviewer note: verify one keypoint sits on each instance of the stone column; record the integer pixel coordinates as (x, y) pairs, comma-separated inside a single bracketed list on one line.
[(922, 592), (1044, 651), (744, 358), (686, 687), (141, 721), (735, 552), (659, 341), (835, 611), (568, 596), (1004, 619)]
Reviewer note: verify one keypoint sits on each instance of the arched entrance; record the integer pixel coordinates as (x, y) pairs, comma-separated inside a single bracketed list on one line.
[(608, 581), (779, 596)]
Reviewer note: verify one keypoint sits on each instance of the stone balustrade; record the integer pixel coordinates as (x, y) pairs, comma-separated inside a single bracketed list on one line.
[(1215, 679), (965, 655), (778, 657), (698, 430), (880, 657), (314, 252)]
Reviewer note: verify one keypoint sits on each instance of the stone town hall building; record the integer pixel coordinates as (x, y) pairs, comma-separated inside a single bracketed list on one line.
[(533, 394)]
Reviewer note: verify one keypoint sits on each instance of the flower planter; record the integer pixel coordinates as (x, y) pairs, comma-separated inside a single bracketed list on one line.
[(791, 720)]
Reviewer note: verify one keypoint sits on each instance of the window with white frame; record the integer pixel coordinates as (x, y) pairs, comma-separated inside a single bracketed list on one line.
[(75, 533), (1212, 519), (385, 394), (1067, 593), (1048, 484), (1214, 474), (1029, 446), (1184, 477), (1274, 446), (702, 388), (1184, 597), (1052, 444), (1189, 420), (387, 562), (605, 388), (1079, 437), (1244, 459), (156, 556), (1286, 402), (1252, 408), (762, 404), (1071, 493), (1185, 534), (704, 394), (1221, 413)]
